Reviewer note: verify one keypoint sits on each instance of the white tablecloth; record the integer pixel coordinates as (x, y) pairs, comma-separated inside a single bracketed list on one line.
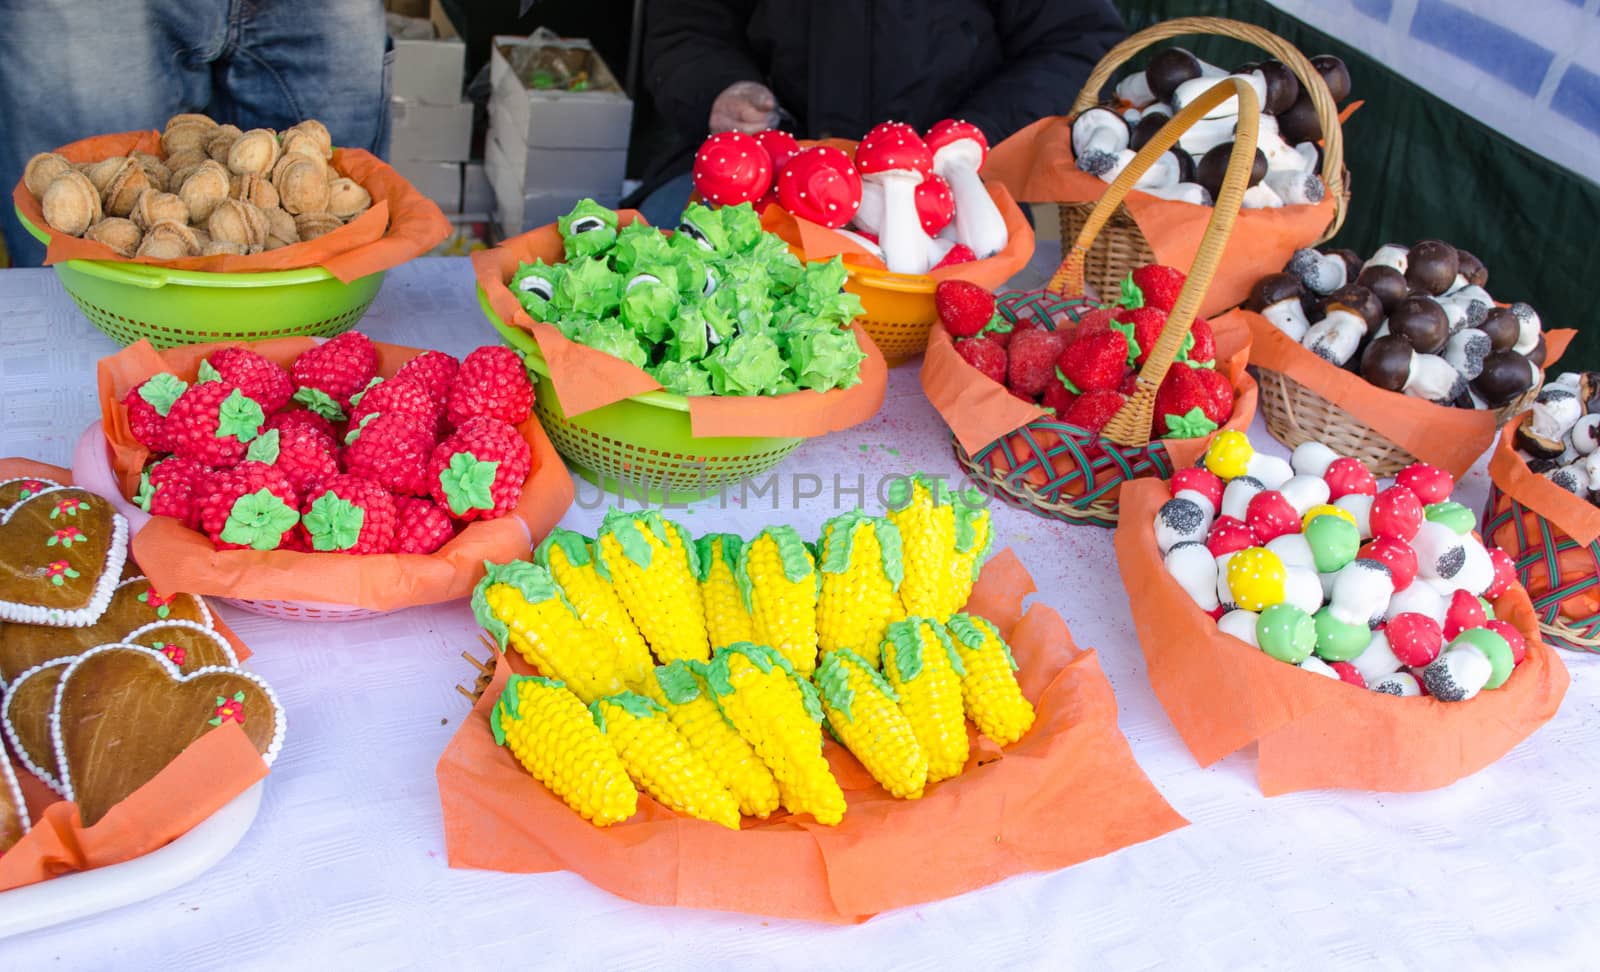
[(347, 859)]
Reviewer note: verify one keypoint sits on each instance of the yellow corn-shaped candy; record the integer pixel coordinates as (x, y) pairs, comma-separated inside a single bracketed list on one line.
[(777, 712), (660, 762), (653, 569), (921, 508), (974, 534), (861, 572), (554, 737), (778, 578), (989, 691), (520, 603), (709, 733), (727, 620), (864, 713), (926, 672), (571, 562)]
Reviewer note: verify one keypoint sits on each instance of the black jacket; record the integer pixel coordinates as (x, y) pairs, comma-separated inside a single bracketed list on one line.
[(841, 66)]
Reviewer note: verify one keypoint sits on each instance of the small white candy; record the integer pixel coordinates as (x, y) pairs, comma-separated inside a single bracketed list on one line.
[(1458, 674), (1528, 332), (1419, 598), (1271, 471), (1358, 505), (1195, 570), (1440, 551), (1402, 684), (1591, 467), (1224, 591), (1477, 573), (1555, 412), (1293, 550), (1586, 434), (1288, 316), (1326, 580), (1312, 459), (1336, 337), (1361, 589), (1315, 664), (1435, 379), (1302, 588), (1390, 255), (1303, 492), (1574, 477), (1377, 660), (1240, 624), (1180, 520), (1236, 496), (1199, 499)]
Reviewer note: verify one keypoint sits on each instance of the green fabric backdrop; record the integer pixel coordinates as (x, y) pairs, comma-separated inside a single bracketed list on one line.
[(1420, 168)]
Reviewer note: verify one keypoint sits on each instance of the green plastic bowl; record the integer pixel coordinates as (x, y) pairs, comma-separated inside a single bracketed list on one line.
[(641, 447), (130, 301)]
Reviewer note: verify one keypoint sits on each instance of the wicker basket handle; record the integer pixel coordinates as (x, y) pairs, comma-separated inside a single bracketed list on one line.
[(1131, 425), (1310, 79)]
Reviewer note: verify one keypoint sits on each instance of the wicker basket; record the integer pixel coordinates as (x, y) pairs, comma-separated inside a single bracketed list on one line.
[(1065, 472), (1121, 247)]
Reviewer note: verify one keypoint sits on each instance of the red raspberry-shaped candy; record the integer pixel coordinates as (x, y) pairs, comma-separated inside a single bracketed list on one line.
[(1346, 476), (1201, 480), (296, 418), (256, 375), (492, 381), (1229, 535), (1514, 638), (1397, 555), (1270, 515), (1505, 573), (392, 450), (477, 473), (1465, 612), (148, 405), (251, 505), (435, 371), (1414, 638), (1396, 512), (423, 526), (348, 514), (1430, 483), (1348, 673)]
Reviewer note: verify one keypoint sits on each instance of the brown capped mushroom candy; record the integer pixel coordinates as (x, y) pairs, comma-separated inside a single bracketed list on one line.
[(118, 233), (1277, 298), (1386, 283), (1431, 266)]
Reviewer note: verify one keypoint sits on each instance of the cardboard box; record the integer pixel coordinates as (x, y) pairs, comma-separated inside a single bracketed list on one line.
[(420, 132), (597, 117), (519, 209), (439, 181), (429, 71), (477, 196)]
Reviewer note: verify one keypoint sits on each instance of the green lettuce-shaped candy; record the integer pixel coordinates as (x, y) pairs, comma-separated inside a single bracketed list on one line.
[(589, 230), (688, 338), (534, 285), (821, 294), (825, 358), (637, 244), (589, 288), (782, 265), (649, 305), (682, 377), (701, 227), (749, 364), (614, 338), (721, 324), (742, 227)]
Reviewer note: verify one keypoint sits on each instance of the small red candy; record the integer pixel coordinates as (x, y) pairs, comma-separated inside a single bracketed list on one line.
[(1348, 673), (1422, 686), (1430, 483), (1270, 515), (1228, 535), (1346, 476), (1514, 638), (1465, 612), (1397, 513), (1397, 555), (1201, 480), (1414, 638), (1217, 612), (1505, 573)]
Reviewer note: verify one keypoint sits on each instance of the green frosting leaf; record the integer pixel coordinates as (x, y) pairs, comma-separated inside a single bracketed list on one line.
[(792, 554), (264, 448), (904, 639), (638, 245), (147, 490), (625, 527), (259, 520), (714, 546), (161, 390), (968, 517), (997, 325), (741, 226), (688, 335), (1067, 382), (358, 396), (649, 303), (533, 582), (839, 538), (588, 230), (702, 227), (678, 682), (1132, 295), (574, 546), (634, 704), (1189, 425), (207, 372), (466, 482), (971, 630), (319, 402), (1127, 330), (832, 680), (239, 416), (355, 433), (333, 522), (508, 708), (1183, 349)]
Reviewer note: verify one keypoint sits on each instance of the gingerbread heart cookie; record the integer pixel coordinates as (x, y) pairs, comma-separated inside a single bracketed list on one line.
[(25, 716), (188, 645), (123, 712), (61, 553), (13, 812), (14, 491), (134, 604)]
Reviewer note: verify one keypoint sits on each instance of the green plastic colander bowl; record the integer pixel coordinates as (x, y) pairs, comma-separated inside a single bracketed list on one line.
[(130, 301), (641, 447)]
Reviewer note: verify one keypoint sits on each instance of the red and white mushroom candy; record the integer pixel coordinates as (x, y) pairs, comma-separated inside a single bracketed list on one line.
[(959, 149), (732, 168), (893, 157), (820, 184), (1380, 586), (780, 148)]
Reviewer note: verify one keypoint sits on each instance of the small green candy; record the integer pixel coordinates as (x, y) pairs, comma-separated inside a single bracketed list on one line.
[(1337, 641), (1451, 514), (1495, 648), (1286, 633), (1334, 542), (1488, 609)]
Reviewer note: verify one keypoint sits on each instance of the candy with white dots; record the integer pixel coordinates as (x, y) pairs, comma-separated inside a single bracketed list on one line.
[(1286, 633), (1195, 570), (1199, 499), (1338, 640), (1311, 459), (1229, 455), (1256, 578)]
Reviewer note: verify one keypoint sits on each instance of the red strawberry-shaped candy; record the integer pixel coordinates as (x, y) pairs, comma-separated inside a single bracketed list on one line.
[(168, 488), (1348, 673), (1229, 535), (1142, 326), (1093, 321), (1201, 480), (213, 422), (1396, 512), (985, 354), (1158, 285), (1514, 638), (1221, 407), (1414, 638), (1092, 363), (1346, 476), (303, 418), (1204, 348), (304, 455), (1465, 612), (336, 369), (1505, 573), (256, 375), (477, 473), (1270, 515), (1031, 362), (1093, 410), (492, 382), (955, 256), (392, 450), (936, 205), (148, 406), (435, 371), (1430, 483), (964, 307), (251, 505), (348, 514), (1058, 398), (1029, 323), (1130, 384), (395, 395), (1182, 404), (1397, 555), (422, 527)]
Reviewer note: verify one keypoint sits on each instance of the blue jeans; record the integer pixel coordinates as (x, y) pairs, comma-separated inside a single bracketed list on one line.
[(664, 205), (74, 68)]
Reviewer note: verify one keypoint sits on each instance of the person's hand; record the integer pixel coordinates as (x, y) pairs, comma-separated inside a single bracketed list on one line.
[(744, 106)]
